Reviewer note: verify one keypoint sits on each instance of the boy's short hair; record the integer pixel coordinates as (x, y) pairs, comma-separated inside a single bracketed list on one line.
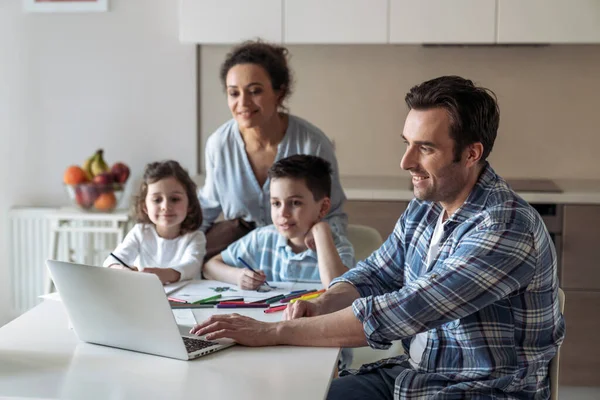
[(315, 171)]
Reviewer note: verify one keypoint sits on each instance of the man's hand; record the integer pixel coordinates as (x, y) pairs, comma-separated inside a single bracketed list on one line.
[(300, 309), (166, 275), (249, 280), (243, 330)]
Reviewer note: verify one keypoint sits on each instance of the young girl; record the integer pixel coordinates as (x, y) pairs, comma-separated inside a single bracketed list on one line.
[(166, 240)]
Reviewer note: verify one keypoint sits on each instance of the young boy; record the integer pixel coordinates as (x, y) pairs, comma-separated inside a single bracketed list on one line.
[(298, 246)]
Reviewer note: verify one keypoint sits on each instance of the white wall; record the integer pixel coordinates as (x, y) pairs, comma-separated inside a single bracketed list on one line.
[(72, 83)]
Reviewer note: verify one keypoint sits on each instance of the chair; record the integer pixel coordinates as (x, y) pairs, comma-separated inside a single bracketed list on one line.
[(364, 239), (554, 363)]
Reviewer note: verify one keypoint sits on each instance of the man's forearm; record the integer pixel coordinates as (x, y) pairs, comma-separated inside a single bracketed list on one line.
[(338, 297), (339, 329)]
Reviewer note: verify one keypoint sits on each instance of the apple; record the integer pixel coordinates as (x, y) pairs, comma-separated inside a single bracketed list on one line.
[(86, 194), (105, 178), (120, 172), (103, 182)]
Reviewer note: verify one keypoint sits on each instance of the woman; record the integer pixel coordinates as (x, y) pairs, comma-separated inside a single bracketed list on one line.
[(257, 80)]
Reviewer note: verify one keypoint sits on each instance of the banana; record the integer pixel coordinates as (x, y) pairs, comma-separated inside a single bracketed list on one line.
[(98, 165), (87, 164)]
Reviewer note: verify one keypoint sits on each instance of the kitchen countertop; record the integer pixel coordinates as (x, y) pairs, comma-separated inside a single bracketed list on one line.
[(382, 188), (572, 191)]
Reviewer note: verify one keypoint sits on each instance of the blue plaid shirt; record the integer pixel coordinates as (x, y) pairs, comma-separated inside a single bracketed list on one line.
[(489, 301), (266, 249)]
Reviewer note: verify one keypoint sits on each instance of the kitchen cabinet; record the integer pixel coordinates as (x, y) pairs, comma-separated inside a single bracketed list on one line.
[(580, 266), (390, 21), (579, 360), (229, 21), (548, 21), (580, 280), (442, 21), (381, 215), (335, 21)]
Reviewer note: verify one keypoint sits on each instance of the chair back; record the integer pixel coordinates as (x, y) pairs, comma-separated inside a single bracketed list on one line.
[(364, 239), (554, 363)]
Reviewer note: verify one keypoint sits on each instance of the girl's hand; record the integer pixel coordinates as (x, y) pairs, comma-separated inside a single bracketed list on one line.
[(119, 266), (166, 275), (249, 280)]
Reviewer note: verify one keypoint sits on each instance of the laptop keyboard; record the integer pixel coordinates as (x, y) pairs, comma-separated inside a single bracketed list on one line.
[(193, 345)]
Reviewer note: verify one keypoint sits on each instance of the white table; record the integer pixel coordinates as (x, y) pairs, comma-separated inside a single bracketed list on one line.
[(41, 358)]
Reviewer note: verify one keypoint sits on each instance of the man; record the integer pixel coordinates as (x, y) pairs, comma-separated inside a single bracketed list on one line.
[(467, 280)]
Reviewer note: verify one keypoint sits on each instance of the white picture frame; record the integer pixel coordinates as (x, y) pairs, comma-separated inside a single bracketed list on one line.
[(59, 6)]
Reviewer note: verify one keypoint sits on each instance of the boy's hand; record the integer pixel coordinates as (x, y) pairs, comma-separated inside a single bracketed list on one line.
[(249, 280), (317, 229), (166, 275)]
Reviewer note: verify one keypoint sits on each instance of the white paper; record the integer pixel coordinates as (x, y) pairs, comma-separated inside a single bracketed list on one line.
[(172, 287), (184, 316), (198, 290)]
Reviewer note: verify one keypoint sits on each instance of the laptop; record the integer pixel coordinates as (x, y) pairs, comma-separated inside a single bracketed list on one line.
[(126, 310)]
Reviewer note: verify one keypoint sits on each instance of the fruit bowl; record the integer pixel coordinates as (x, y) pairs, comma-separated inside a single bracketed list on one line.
[(98, 197)]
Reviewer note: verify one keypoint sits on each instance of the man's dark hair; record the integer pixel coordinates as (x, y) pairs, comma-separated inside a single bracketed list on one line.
[(474, 113), (315, 171)]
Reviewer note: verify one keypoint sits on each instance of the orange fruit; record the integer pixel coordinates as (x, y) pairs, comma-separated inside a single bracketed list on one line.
[(74, 175), (106, 202)]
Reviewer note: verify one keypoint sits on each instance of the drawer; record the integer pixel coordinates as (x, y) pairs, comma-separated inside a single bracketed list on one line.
[(580, 266), (579, 354)]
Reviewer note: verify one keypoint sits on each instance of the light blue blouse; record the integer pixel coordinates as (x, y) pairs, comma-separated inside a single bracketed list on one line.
[(231, 187)]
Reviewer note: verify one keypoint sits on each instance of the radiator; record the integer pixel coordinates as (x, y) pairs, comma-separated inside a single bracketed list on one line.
[(29, 248)]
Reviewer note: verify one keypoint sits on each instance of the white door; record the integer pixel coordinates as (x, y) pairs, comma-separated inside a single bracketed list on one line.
[(442, 21), (549, 21), (335, 21), (229, 21)]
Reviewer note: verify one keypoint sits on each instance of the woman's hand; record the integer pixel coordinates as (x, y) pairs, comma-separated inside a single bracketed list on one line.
[(250, 280), (166, 275)]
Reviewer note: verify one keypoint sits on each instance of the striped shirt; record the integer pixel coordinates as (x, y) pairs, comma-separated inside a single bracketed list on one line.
[(265, 249), (488, 302)]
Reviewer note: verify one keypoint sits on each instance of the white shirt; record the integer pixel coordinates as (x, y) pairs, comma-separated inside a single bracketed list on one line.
[(143, 247), (419, 342)]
